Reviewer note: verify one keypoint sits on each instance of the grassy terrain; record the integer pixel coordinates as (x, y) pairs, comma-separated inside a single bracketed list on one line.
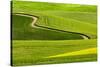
[(22, 30), (72, 15), (53, 6), (31, 45), (35, 52)]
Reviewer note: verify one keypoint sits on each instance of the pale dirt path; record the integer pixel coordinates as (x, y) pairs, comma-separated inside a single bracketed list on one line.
[(35, 19), (84, 37)]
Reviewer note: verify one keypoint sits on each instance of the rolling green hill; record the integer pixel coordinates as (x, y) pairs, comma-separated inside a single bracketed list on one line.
[(22, 30), (58, 31)]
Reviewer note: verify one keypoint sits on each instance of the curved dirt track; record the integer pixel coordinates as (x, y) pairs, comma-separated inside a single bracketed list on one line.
[(35, 18), (26, 15)]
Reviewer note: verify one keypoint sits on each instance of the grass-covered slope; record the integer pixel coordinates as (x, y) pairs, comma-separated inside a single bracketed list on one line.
[(36, 52), (53, 12), (23, 30), (37, 45), (39, 6)]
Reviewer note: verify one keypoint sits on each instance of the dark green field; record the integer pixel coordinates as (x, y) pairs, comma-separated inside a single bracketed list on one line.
[(62, 33)]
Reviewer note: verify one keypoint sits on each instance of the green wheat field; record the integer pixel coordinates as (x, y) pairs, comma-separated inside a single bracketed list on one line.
[(52, 33)]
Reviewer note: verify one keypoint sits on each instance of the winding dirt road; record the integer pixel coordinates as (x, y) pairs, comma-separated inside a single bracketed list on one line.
[(33, 17), (35, 25)]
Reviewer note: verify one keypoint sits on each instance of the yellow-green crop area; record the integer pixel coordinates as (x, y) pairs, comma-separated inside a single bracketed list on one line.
[(62, 33)]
